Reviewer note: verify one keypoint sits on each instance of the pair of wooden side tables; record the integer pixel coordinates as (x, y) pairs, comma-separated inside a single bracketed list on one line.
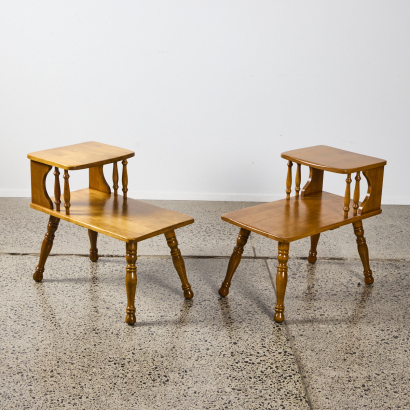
[(308, 213)]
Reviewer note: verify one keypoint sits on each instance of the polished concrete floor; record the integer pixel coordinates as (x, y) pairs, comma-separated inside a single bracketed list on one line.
[(64, 343)]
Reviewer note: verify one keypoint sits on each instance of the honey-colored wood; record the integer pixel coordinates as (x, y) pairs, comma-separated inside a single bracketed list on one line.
[(289, 180), (124, 178), (46, 247), (57, 189), (93, 245), (298, 179), (136, 221), (67, 195), (115, 178), (333, 159), (100, 212), (281, 281), (179, 263), (234, 261), (346, 204), (315, 211), (97, 180), (131, 281), (373, 199), (288, 220), (356, 195), (314, 239), (314, 184), (39, 195), (363, 251), (81, 156)]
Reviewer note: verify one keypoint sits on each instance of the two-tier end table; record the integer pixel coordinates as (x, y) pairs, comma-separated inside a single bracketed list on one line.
[(99, 210), (311, 211)]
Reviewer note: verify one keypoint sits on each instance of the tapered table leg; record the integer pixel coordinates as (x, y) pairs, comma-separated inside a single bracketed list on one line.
[(234, 261), (131, 281), (93, 243), (314, 239), (281, 281), (179, 263), (46, 247), (363, 251)]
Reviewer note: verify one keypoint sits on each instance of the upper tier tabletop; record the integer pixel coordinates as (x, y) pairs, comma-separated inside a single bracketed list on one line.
[(79, 156), (127, 220), (333, 159), (287, 220)]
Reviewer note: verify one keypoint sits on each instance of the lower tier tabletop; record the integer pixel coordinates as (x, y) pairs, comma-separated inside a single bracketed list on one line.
[(287, 220), (127, 220)]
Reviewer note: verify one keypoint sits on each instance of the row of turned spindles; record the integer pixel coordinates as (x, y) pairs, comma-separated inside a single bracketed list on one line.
[(346, 207), (67, 195)]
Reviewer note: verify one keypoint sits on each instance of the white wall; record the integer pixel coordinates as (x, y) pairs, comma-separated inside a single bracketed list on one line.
[(207, 93)]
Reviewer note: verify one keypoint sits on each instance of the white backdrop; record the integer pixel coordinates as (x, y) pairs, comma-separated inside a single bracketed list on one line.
[(207, 93)]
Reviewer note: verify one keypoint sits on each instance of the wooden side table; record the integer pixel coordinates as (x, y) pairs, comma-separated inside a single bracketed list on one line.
[(98, 210), (311, 211)]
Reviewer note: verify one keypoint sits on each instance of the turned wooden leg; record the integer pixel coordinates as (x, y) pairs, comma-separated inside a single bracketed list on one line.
[(179, 263), (131, 281), (281, 280), (234, 260), (93, 242), (314, 239), (363, 251), (46, 247)]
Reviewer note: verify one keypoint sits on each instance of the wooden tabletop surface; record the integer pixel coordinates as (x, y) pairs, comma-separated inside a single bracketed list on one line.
[(129, 220), (333, 159), (79, 156), (287, 220)]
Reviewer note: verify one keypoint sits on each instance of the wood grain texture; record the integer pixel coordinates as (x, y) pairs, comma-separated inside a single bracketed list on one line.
[(373, 199), (314, 239), (289, 180), (39, 195), (179, 263), (314, 184), (124, 178), (67, 194), (131, 281), (81, 156), (356, 194), (46, 247), (93, 245), (298, 179), (101, 212), (234, 261), (333, 159), (281, 281), (363, 251), (346, 203), (115, 178), (57, 189), (97, 180), (287, 220)]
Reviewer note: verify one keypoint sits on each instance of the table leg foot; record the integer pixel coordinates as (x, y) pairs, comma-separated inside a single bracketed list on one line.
[(314, 239), (46, 247), (363, 251), (93, 243), (234, 261)]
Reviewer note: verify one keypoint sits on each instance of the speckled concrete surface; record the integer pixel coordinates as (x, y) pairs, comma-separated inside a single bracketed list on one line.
[(64, 343), (352, 340)]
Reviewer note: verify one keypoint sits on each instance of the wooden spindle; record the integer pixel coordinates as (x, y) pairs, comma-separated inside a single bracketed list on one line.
[(124, 178), (57, 190), (346, 207), (356, 195), (289, 180), (115, 178), (66, 191), (297, 180)]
